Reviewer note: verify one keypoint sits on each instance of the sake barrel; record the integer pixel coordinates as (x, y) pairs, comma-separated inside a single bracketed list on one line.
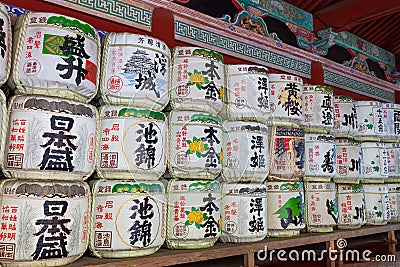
[(317, 108), (195, 145), (394, 200), (55, 55), (348, 160), (391, 122), (3, 119), (5, 44), (132, 143), (198, 79), (50, 138), (370, 121), (128, 218), (377, 204), (244, 218), (246, 150), (135, 71), (285, 211), (45, 222), (247, 93), (286, 98), (287, 153), (345, 116), (351, 205), (375, 162), (321, 206), (393, 160), (320, 159), (194, 214)]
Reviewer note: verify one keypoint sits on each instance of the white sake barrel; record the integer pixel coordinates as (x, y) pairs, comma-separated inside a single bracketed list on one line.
[(50, 138), (321, 206), (345, 116), (377, 204), (394, 200), (244, 218), (320, 159), (5, 44), (3, 120), (46, 222), (351, 204), (286, 153), (128, 218), (198, 79), (374, 162), (286, 98), (370, 121), (194, 214), (285, 209), (317, 108), (393, 160), (55, 55), (348, 160), (247, 93), (195, 145), (391, 121), (246, 152), (135, 71), (132, 143)]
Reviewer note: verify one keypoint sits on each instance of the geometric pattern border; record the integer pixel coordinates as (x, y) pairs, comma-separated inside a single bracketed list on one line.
[(226, 43), (354, 85), (120, 9)]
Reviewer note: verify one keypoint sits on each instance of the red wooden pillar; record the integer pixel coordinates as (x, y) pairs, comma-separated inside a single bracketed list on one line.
[(162, 26), (317, 73)]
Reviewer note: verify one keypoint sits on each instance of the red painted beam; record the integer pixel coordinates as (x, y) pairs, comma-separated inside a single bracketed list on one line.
[(346, 14)]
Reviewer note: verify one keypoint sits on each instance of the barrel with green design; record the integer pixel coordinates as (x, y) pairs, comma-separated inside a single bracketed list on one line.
[(194, 145), (321, 206), (377, 204), (128, 218), (197, 79), (193, 214), (131, 143), (55, 55)]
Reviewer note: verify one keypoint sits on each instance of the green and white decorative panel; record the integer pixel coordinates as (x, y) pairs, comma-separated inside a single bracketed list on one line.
[(227, 43), (130, 13), (341, 81), (280, 10), (359, 45)]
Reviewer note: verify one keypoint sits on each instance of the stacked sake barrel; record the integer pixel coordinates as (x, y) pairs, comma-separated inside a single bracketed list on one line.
[(350, 193), (195, 148), (128, 209), (246, 153), (371, 132), (320, 162), (285, 187), (391, 123), (49, 142)]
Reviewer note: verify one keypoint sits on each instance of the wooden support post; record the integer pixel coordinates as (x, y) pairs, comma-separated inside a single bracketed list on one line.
[(331, 245), (392, 241), (249, 260)]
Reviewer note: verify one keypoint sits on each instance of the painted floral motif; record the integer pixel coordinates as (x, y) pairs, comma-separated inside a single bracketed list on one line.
[(198, 79), (196, 146), (195, 216)]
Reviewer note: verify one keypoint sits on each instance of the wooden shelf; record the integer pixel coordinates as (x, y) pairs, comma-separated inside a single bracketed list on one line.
[(166, 257)]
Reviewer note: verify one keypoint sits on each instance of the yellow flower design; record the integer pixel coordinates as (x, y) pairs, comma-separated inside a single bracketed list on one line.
[(196, 146), (195, 216), (197, 78)]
